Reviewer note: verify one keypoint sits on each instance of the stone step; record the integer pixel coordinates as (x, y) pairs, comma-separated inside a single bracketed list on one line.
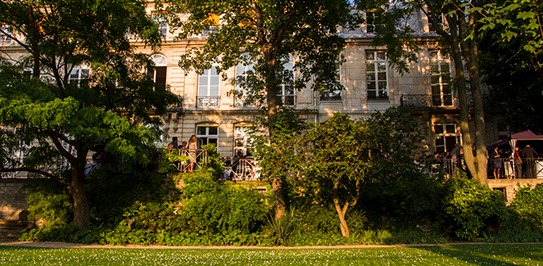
[(11, 230)]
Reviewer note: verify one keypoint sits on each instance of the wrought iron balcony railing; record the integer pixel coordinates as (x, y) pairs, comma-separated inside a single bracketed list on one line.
[(425, 100), (208, 101)]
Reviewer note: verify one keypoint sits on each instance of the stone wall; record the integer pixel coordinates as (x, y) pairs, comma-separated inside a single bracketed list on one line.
[(509, 186), (13, 199)]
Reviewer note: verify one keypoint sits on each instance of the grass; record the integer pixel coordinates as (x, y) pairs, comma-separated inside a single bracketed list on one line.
[(476, 254)]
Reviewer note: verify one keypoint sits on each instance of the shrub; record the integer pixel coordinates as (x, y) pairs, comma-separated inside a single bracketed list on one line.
[(528, 207), (210, 205), (112, 190), (470, 206), (49, 201)]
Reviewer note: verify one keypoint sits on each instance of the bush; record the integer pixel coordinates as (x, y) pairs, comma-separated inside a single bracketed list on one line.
[(528, 207), (112, 190), (470, 207), (49, 201), (210, 205)]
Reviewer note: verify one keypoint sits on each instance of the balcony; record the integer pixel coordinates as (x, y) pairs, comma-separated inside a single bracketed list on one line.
[(207, 101), (425, 100)]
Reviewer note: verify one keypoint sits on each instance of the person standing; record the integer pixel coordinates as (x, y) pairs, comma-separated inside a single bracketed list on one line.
[(496, 162), (529, 154), (517, 161), (192, 146), (173, 145)]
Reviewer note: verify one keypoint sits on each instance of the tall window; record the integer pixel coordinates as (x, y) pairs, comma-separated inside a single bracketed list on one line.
[(208, 88), (286, 90), (333, 93), (243, 70), (446, 136), (79, 76), (159, 70), (434, 18), (162, 23), (207, 134), (440, 78), (242, 140), (5, 34), (370, 21), (376, 74)]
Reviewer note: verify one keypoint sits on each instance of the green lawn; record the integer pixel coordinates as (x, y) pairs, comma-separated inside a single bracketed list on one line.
[(487, 254)]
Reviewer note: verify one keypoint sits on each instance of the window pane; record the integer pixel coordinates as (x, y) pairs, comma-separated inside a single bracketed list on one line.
[(213, 130), (214, 91)]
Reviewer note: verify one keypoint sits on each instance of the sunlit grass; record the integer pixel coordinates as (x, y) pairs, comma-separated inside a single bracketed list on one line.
[(487, 254)]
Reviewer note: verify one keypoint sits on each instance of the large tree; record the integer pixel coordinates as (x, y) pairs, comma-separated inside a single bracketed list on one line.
[(267, 34), (455, 23), (333, 159), (87, 88), (512, 61)]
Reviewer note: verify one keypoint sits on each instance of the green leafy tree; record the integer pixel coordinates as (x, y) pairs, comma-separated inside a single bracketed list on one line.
[(514, 84), (455, 23), (395, 188), (511, 62), (61, 118), (334, 159), (515, 21), (277, 157), (266, 34)]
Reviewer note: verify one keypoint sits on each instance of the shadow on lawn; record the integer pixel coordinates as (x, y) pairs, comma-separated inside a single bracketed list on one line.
[(490, 254)]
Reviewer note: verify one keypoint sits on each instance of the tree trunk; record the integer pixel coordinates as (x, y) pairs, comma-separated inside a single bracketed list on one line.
[(478, 110), (280, 204), (341, 212), (271, 91), (79, 195), (467, 139)]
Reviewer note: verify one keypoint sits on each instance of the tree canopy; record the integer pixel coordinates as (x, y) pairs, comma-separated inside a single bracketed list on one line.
[(454, 23), (294, 43), (86, 89)]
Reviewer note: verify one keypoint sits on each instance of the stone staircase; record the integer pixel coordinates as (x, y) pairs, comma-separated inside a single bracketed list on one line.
[(11, 230)]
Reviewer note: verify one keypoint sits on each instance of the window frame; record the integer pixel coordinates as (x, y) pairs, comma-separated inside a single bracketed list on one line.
[(287, 92), (443, 96), (204, 139), (444, 134), (333, 95), (159, 73), (81, 77), (373, 77), (242, 71), (206, 96)]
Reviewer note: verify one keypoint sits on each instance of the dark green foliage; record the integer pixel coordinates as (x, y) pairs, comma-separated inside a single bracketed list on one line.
[(395, 193), (114, 104), (527, 207), (214, 162), (112, 190), (210, 206), (471, 207), (49, 202)]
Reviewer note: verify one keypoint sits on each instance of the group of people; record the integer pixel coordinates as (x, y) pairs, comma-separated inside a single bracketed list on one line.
[(523, 161), (186, 148)]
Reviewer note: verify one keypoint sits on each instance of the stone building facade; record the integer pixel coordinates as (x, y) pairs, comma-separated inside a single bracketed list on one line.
[(211, 113), (371, 85)]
